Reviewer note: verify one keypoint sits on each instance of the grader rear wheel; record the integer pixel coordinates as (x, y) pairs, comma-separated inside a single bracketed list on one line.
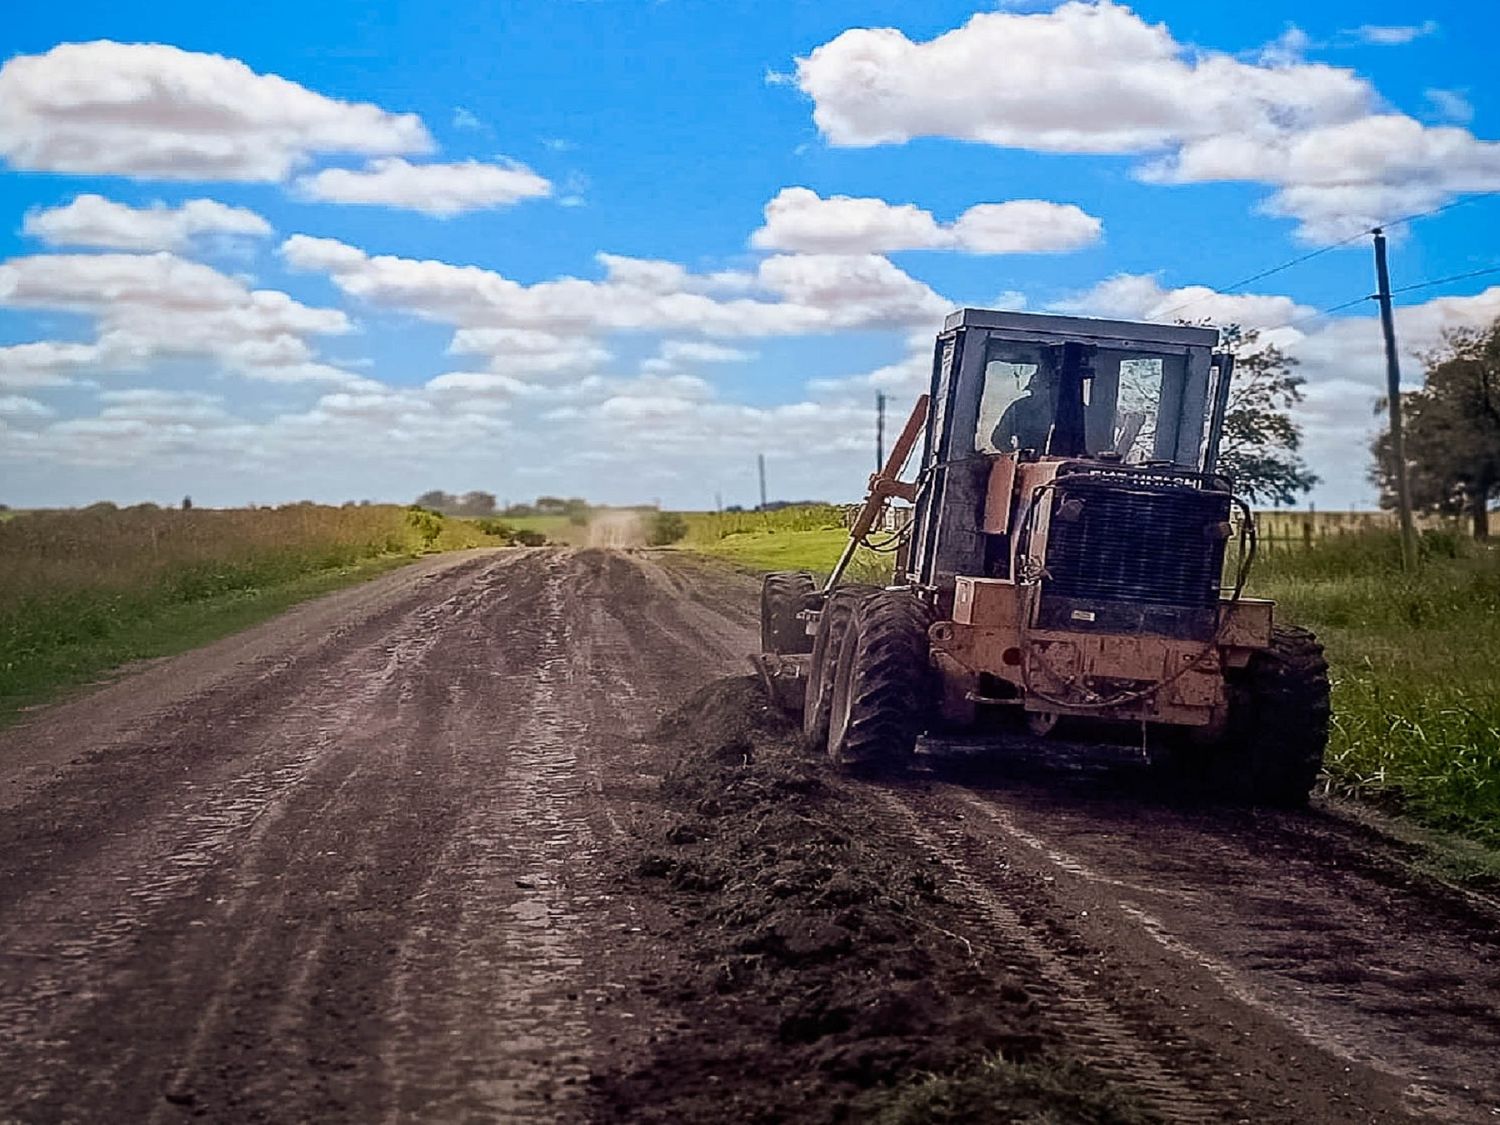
[(783, 595), (883, 689), (828, 642)]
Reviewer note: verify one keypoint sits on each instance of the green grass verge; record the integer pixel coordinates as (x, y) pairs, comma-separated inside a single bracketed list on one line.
[(790, 539), (86, 590), (168, 629), (1415, 663), (557, 529), (1415, 659), (817, 551)]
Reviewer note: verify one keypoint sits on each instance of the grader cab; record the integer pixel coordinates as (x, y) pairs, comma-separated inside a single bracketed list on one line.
[(1074, 566)]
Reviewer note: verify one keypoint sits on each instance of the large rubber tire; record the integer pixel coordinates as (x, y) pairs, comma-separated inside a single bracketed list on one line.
[(1273, 748), (828, 642), (884, 688), (783, 595)]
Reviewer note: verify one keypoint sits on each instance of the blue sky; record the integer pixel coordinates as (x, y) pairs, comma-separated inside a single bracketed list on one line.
[(1209, 143)]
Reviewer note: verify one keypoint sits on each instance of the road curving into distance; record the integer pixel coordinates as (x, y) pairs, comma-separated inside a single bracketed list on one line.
[(362, 863)]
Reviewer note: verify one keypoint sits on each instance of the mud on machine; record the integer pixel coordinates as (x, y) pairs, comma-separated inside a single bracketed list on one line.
[(1074, 566)]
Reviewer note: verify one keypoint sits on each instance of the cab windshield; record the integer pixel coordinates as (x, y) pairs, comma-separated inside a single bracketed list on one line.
[(1122, 395)]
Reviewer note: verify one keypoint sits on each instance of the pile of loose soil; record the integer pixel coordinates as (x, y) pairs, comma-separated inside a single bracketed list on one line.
[(819, 982)]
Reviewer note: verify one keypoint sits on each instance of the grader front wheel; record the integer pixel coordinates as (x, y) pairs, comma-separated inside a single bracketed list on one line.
[(783, 595), (883, 688), (1278, 723), (828, 643)]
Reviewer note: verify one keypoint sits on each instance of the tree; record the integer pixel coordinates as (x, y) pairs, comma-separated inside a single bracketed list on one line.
[(474, 503), (1260, 444), (437, 500), (1452, 433)]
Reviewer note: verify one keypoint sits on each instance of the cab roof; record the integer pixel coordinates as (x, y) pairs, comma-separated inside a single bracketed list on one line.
[(1046, 326)]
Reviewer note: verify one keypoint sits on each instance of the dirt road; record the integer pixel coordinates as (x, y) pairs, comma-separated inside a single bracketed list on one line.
[(372, 862)]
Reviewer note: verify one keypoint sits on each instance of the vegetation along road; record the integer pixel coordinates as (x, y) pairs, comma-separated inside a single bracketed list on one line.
[(426, 849)]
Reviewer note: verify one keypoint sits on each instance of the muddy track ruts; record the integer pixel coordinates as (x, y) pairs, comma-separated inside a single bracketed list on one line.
[(367, 862), (360, 876), (1269, 965)]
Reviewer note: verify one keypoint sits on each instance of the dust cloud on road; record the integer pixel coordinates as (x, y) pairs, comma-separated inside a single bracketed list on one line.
[(377, 861), (617, 528)]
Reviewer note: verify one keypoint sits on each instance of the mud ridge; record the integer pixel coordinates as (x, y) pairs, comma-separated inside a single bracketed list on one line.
[(819, 978)]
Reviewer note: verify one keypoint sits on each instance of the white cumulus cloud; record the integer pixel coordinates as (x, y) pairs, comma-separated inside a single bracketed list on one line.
[(18, 406), (45, 363), (151, 110), (1096, 78), (150, 306), (1129, 296), (1393, 35), (801, 220), (433, 189), (92, 220), (788, 295)]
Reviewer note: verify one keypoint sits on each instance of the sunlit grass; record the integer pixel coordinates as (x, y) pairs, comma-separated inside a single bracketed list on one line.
[(1416, 671), (86, 590), (806, 538)]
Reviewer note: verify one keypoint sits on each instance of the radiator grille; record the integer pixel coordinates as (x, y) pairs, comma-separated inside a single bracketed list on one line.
[(1112, 541)]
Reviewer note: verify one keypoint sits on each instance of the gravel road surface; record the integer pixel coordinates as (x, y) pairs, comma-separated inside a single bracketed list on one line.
[(362, 863)]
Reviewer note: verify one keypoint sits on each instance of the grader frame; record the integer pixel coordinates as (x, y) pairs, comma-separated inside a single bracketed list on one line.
[(1063, 569)]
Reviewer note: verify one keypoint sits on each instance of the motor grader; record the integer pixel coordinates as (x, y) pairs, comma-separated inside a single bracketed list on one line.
[(1073, 567)]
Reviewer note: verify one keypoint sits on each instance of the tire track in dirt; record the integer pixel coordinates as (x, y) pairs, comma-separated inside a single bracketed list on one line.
[(1255, 946), (364, 878), (362, 864), (153, 907), (1096, 1034)]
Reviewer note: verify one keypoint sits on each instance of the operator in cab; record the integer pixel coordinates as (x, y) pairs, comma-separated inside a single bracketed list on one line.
[(1027, 422)]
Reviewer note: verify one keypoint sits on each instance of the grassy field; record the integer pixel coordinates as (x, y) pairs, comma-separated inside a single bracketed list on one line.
[(1416, 660), (85, 591), (1416, 668), (809, 538)]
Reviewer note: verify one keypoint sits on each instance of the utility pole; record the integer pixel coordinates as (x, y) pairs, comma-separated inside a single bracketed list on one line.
[(879, 430), (1393, 396), (760, 459)]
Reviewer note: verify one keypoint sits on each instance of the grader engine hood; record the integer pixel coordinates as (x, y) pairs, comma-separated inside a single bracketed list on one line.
[(1128, 552)]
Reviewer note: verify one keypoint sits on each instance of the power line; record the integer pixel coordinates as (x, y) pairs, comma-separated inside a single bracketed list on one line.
[(1264, 273), (1328, 311), (1468, 197), (1345, 305), (1403, 289), (1445, 280)]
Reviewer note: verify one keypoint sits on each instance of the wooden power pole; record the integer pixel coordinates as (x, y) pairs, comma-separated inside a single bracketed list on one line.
[(879, 429), (760, 460), (1393, 396)]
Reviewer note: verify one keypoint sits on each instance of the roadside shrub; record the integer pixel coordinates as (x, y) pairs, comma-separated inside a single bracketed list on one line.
[(665, 528), (428, 525), (528, 538), (498, 528), (1443, 543)]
